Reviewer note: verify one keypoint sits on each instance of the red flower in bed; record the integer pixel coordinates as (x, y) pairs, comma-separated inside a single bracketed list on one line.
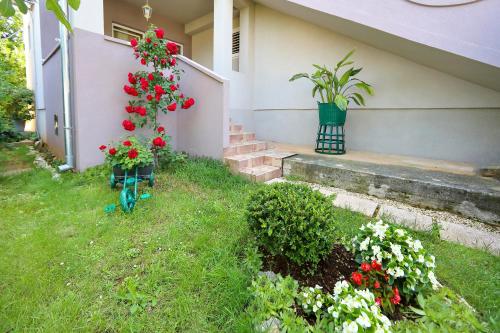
[(132, 153)]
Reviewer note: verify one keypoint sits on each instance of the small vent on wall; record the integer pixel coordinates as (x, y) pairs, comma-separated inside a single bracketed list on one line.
[(236, 50)]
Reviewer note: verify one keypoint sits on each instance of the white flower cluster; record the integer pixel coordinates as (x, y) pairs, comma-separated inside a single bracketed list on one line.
[(349, 309), (403, 257)]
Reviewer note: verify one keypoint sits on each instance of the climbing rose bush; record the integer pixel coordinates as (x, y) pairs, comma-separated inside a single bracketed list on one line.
[(128, 153), (407, 264), (155, 89), (347, 310)]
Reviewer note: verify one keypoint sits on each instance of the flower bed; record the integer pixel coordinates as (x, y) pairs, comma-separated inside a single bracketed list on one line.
[(383, 274)]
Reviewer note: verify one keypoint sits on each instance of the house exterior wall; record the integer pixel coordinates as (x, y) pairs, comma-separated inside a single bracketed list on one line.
[(99, 101), (121, 12), (416, 111)]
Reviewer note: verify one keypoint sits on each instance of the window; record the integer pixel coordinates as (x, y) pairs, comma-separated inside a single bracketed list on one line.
[(125, 33), (236, 50)]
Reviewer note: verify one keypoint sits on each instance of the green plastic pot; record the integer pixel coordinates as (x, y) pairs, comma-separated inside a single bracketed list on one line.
[(331, 114)]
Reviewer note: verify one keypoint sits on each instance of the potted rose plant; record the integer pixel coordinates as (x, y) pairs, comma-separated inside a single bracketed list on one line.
[(336, 90)]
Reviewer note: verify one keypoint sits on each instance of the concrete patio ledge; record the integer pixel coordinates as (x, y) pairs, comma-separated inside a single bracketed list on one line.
[(405, 217), (363, 206)]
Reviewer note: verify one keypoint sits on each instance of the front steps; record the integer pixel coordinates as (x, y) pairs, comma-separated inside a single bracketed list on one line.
[(252, 158)]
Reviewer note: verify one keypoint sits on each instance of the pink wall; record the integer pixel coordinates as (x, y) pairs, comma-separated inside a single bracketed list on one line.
[(100, 71)]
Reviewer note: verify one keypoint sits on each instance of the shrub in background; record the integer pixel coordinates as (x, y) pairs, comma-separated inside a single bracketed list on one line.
[(408, 265), (293, 221)]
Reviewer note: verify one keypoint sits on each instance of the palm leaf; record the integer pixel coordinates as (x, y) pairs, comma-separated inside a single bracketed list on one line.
[(365, 86), (299, 76), (341, 62), (360, 99), (340, 101)]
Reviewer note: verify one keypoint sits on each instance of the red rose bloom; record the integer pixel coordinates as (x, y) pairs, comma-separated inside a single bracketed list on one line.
[(171, 77), (163, 61), (159, 33), (130, 90), (127, 143), (144, 84), (128, 125), (129, 109), (148, 40), (357, 278), (378, 300), (143, 61), (161, 129), (188, 103), (151, 77), (133, 42), (158, 97), (149, 97), (158, 141), (365, 267), (172, 107), (112, 151), (132, 153), (172, 48), (159, 89), (102, 147), (141, 110), (172, 62), (376, 285), (376, 266), (131, 78), (173, 87), (395, 299)]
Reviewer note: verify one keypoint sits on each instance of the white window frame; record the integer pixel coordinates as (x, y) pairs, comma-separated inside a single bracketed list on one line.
[(123, 28), (139, 34)]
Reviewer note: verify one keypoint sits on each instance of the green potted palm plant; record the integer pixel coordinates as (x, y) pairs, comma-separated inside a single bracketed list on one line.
[(336, 90)]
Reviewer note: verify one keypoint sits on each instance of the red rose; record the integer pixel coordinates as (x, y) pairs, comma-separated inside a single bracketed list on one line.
[(188, 103), (102, 147), (172, 48), (155, 44), (171, 77), (158, 97), (127, 143), (365, 267), (161, 129), (129, 109), (376, 266), (148, 40), (144, 84), (133, 42), (378, 300), (156, 58), (159, 33), (357, 278), (159, 89), (172, 107), (131, 78), (158, 141), (149, 97), (151, 77), (376, 285), (112, 151), (128, 125), (181, 96), (143, 61), (145, 54), (132, 153), (130, 90), (172, 62), (141, 110), (395, 299), (173, 87), (163, 61)]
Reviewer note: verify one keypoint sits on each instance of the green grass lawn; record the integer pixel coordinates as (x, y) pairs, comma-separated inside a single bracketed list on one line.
[(64, 262)]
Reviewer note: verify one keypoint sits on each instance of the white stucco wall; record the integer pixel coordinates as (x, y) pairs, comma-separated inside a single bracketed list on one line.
[(203, 48), (417, 110)]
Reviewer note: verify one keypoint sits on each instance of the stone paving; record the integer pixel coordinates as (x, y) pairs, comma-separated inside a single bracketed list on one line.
[(452, 227)]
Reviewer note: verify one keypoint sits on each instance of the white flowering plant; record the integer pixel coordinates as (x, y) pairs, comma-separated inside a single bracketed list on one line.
[(408, 266), (347, 310)]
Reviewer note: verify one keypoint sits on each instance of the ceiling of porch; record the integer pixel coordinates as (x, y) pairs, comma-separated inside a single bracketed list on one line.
[(180, 11)]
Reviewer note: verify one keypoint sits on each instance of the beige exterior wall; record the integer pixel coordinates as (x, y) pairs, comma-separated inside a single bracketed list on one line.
[(203, 48), (416, 111), (121, 12)]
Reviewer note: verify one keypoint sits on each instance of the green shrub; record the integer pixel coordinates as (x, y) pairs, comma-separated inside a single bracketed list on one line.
[(293, 221)]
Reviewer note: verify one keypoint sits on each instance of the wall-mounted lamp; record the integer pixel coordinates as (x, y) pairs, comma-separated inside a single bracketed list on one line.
[(147, 10)]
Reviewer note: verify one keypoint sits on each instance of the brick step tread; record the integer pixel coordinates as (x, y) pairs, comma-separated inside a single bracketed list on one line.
[(256, 154), (246, 143), (241, 133), (259, 170)]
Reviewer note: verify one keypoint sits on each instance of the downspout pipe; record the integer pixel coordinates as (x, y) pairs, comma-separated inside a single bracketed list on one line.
[(66, 88)]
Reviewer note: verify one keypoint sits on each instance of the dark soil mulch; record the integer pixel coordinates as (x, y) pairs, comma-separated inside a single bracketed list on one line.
[(338, 265)]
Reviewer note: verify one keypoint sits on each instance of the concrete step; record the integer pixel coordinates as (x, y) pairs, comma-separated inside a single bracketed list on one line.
[(471, 196), (235, 128), (261, 173), (263, 157), (239, 137), (244, 148)]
